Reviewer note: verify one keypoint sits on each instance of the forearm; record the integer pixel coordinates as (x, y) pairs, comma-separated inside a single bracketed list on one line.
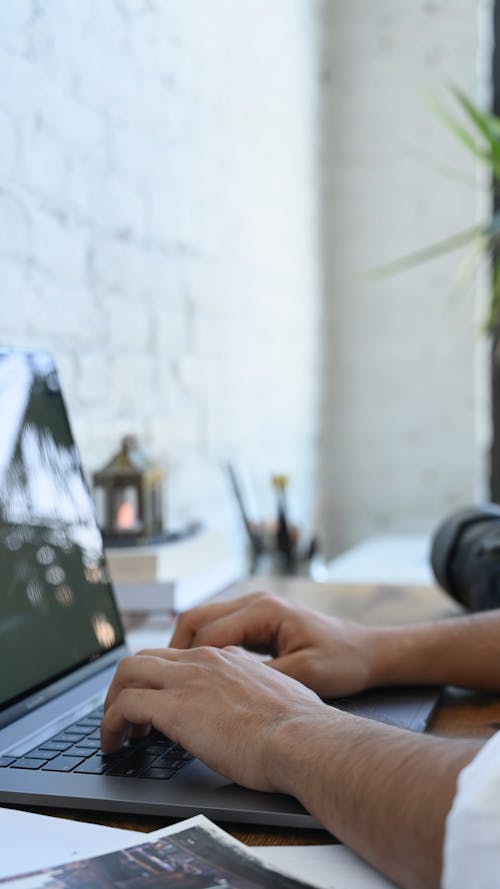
[(382, 791), (462, 651)]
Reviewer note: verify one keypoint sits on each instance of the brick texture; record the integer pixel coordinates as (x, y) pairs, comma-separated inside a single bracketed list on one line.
[(158, 230)]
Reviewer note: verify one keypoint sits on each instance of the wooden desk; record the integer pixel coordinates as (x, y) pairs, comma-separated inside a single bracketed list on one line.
[(460, 713)]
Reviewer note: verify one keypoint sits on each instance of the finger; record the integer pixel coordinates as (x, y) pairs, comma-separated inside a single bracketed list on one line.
[(190, 622), (139, 671), (248, 626), (294, 665), (132, 707), (139, 732), (303, 667), (165, 653)]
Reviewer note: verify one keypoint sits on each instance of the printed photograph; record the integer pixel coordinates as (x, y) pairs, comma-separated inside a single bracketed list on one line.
[(190, 859)]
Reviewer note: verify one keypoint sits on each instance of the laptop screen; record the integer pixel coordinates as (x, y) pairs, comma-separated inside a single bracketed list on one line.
[(57, 610)]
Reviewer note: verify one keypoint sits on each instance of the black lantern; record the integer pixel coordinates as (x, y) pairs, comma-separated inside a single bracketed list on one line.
[(129, 496)]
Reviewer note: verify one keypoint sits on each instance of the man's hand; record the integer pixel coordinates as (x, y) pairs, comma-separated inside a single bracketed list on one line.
[(333, 657), (338, 657), (224, 706), (383, 791)]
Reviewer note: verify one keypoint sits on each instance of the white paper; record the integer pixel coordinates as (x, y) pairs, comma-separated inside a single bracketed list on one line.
[(384, 558), (328, 867), (30, 842)]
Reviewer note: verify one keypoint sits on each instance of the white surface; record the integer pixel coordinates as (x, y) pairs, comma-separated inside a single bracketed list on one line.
[(149, 637), (472, 840), (30, 842), (385, 558), (54, 841), (328, 867)]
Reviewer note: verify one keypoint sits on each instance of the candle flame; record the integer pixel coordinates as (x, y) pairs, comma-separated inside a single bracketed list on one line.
[(125, 516)]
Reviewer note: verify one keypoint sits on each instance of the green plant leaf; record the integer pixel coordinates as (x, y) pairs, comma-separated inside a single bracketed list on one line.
[(457, 129), (443, 169), (484, 143), (460, 239), (487, 124)]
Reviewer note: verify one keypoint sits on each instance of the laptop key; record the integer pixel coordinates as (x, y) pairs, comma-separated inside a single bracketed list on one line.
[(157, 749), (87, 725), (89, 745), (42, 753), (132, 765), (82, 752), (25, 762), (169, 762), (62, 764), (6, 761), (58, 746), (70, 737), (97, 764), (155, 772)]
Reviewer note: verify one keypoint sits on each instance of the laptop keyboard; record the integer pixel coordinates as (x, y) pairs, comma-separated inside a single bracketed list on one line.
[(77, 749)]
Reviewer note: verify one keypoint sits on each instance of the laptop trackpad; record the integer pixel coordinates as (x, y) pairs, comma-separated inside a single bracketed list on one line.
[(197, 777), (409, 708)]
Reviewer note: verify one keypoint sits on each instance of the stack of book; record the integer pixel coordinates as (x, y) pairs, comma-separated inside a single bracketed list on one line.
[(172, 576)]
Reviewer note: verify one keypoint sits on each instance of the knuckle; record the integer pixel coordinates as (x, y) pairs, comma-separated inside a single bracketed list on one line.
[(206, 659), (144, 652), (124, 666), (208, 653), (253, 597), (271, 602), (260, 596), (233, 649), (311, 669)]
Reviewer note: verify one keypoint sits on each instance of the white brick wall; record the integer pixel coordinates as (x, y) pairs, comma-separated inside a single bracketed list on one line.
[(158, 223)]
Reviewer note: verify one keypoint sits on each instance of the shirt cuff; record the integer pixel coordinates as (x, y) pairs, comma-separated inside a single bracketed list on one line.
[(472, 835)]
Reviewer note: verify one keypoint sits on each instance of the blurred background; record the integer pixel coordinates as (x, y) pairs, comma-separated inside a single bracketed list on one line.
[(191, 195)]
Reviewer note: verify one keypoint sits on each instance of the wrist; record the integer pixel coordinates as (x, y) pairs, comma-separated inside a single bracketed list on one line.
[(403, 655), (293, 747)]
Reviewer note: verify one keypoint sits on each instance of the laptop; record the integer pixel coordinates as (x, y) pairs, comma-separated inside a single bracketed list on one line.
[(61, 638)]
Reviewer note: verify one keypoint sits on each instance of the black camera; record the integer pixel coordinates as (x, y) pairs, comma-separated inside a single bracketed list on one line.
[(465, 556)]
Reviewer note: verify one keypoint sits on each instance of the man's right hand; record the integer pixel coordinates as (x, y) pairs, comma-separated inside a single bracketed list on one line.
[(332, 657)]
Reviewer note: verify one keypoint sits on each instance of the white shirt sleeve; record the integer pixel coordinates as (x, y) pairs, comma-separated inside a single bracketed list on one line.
[(472, 837)]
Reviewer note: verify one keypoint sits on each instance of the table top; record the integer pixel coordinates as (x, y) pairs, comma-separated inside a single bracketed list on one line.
[(459, 713)]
